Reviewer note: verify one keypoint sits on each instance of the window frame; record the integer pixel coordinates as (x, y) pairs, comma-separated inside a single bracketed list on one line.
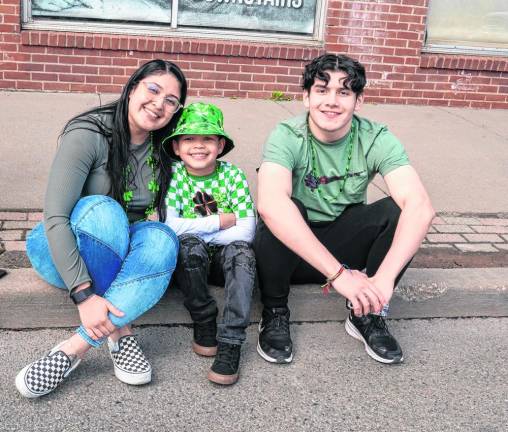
[(172, 29), (459, 48)]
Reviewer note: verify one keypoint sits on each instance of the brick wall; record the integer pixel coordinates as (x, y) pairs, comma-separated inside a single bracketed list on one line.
[(385, 35)]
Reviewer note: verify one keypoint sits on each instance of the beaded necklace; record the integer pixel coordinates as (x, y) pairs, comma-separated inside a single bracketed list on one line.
[(313, 180), (153, 186)]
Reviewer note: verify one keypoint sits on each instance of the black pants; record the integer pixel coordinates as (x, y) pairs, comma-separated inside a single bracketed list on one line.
[(232, 266), (360, 238)]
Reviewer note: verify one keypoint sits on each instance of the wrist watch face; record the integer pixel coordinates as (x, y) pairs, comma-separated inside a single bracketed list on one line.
[(81, 296)]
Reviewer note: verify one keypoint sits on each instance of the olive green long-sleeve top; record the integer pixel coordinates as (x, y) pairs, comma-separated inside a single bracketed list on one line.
[(79, 170)]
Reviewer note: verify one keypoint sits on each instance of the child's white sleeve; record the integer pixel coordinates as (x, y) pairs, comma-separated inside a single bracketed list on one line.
[(244, 229), (200, 226)]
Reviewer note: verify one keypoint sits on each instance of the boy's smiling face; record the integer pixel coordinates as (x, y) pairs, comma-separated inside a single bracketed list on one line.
[(199, 152)]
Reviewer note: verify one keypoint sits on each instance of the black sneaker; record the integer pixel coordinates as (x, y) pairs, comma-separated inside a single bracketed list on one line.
[(205, 338), (373, 332), (274, 342), (225, 366)]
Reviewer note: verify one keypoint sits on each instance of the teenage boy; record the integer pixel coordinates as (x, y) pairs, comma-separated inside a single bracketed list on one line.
[(210, 208), (315, 224)]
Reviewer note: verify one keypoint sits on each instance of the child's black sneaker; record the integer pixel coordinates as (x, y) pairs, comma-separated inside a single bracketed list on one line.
[(225, 366), (373, 332), (131, 365), (205, 338), (45, 374), (274, 342)]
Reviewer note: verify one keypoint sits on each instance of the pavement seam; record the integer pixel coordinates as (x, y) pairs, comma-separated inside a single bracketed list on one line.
[(473, 123)]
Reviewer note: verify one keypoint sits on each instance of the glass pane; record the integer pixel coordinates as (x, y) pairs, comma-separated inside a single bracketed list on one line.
[(288, 16), (158, 11), (468, 23)]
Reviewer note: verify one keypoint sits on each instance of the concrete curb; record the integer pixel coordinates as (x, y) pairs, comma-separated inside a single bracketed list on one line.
[(29, 303)]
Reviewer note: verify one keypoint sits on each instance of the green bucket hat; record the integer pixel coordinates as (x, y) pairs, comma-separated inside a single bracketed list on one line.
[(201, 119)]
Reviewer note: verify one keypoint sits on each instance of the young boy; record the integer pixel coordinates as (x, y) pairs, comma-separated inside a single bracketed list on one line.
[(210, 208)]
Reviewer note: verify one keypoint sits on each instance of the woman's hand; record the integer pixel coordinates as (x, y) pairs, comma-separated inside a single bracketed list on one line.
[(227, 220), (93, 313)]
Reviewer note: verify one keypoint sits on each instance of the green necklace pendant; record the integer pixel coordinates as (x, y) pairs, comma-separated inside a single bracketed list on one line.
[(152, 186), (313, 180)]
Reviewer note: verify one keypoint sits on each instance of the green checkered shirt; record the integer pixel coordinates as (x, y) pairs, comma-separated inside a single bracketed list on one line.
[(227, 184)]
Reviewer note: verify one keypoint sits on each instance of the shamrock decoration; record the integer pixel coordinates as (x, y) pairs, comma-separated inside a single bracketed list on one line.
[(205, 204)]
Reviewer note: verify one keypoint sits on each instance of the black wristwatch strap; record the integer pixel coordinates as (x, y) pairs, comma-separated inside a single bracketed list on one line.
[(80, 296)]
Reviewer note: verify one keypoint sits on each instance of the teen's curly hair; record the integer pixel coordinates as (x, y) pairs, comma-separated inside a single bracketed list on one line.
[(318, 68)]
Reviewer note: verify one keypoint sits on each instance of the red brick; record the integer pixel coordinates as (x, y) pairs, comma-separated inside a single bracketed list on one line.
[(31, 67), (45, 76), (15, 245), (56, 86), (16, 75), (13, 216), (57, 68), (71, 78)]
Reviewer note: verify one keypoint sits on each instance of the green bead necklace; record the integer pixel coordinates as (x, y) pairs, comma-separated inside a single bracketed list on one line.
[(153, 186), (313, 180)]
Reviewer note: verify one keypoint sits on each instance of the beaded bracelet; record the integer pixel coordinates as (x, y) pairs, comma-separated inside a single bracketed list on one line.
[(327, 285)]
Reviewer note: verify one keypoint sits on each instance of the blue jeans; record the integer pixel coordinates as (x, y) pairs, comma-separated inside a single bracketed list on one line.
[(130, 266)]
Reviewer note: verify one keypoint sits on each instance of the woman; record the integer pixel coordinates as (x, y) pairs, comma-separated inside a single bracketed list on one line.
[(107, 178)]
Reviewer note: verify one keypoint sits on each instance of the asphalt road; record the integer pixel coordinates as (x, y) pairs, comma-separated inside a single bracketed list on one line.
[(454, 379)]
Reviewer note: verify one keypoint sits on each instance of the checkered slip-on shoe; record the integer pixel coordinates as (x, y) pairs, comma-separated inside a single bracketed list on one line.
[(131, 365), (44, 375)]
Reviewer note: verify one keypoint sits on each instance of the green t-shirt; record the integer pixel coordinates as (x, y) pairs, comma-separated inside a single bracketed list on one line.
[(374, 150), (227, 184)]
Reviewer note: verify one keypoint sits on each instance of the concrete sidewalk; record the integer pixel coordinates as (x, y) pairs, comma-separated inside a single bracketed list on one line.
[(460, 154)]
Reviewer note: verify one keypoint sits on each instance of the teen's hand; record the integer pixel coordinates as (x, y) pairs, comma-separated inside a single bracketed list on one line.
[(365, 296), (154, 217), (93, 313), (384, 285), (227, 220)]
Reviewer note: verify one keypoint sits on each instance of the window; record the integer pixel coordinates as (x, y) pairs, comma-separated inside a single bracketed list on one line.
[(468, 26), (267, 19)]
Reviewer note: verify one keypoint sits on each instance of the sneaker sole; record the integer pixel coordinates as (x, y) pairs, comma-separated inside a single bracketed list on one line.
[(352, 331), (269, 359), (222, 379), (204, 351), (132, 378), (26, 392)]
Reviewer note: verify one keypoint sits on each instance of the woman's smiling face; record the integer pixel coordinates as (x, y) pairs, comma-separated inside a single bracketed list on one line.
[(152, 103)]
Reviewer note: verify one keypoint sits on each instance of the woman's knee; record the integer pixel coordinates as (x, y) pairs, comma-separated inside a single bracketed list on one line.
[(37, 249), (104, 219), (159, 242)]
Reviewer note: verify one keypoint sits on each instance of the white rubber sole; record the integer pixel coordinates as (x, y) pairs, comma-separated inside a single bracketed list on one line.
[(23, 388), (266, 357), (352, 331), (133, 378)]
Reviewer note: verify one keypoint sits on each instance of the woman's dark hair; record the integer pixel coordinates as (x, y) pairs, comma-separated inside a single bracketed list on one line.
[(112, 122), (318, 68)]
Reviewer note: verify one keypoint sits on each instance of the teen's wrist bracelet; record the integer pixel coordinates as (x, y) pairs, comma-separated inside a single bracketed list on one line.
[(328, 284)]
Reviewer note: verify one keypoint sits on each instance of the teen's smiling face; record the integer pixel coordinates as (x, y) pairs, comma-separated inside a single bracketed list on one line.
[(152, 103), (331, 107), (199, 152)]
